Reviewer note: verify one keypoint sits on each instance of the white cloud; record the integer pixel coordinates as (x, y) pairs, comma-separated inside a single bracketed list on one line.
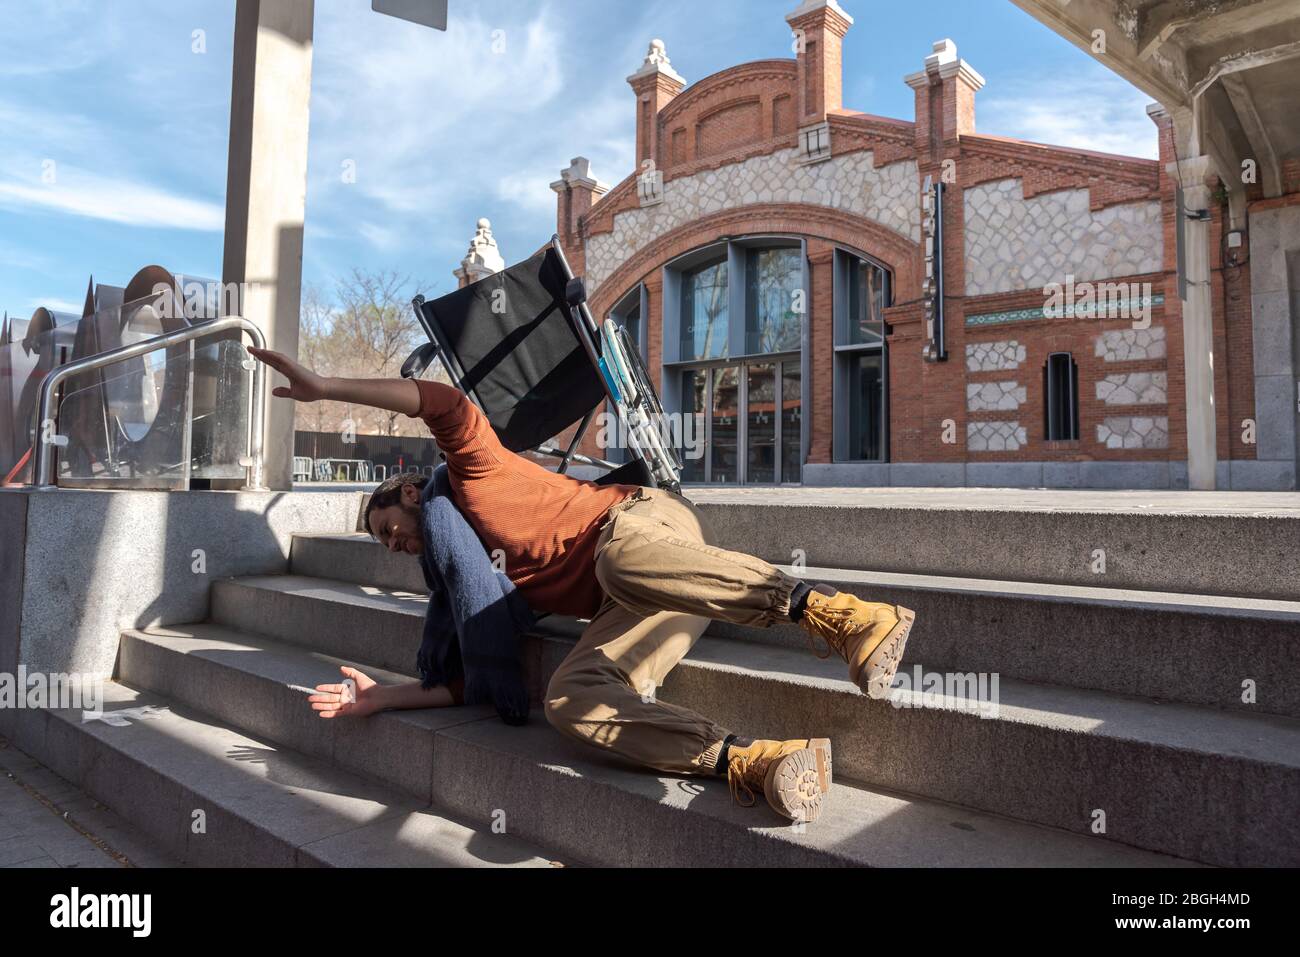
[(1100, 112), (78, 192), (530, 191)]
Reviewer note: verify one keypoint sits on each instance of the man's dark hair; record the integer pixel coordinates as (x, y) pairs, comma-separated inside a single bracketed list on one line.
[(389, 493)]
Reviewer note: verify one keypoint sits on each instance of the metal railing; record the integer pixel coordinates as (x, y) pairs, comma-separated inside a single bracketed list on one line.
[(43, 476)]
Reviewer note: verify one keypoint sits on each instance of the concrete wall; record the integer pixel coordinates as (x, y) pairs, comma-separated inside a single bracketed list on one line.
[(1275, 318), (78, 567)]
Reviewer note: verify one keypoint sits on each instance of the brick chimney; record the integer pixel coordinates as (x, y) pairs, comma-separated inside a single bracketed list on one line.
[(482, 260), (945, 98), (578, 191), (819, 26), (655, 85)]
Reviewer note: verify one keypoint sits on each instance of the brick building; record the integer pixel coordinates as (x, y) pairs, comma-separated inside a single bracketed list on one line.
[(933, 305)]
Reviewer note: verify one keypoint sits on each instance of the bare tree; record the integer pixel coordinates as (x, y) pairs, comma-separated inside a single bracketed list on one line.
[(366, 332)]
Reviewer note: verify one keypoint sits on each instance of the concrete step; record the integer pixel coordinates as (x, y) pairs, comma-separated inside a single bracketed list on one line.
[(573, 798), (1199, 649), (365, 623), (214, 796), (1200, 543), (1160, 773), (1203, 543)]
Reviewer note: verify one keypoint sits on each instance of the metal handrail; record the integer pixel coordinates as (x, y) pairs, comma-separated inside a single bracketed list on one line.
[(43, 463)]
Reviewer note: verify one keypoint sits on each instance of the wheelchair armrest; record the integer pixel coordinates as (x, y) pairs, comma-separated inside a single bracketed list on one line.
[(419, 360)]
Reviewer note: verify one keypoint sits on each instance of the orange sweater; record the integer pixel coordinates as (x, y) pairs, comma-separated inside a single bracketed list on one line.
[(546, 524)]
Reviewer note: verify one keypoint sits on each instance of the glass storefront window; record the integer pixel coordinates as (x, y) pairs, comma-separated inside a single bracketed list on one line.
[(760, 411), (704, 312), (694, 382), (866, 305), (791, 422), (724, 425), (773, 299), (866, 390)]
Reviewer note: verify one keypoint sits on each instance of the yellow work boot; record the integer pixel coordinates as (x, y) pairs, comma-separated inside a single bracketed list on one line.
[(793, 775), (868, 635)]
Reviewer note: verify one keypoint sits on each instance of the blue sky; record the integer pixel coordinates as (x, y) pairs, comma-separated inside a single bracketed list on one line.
[(442, 128)]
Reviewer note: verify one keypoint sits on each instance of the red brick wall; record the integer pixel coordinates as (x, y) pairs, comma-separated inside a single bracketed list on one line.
[(749, 111)]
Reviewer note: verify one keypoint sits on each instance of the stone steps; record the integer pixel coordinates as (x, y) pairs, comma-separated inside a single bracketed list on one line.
[(216, 796), (562, 795), (1053, 755), (1198, 649)]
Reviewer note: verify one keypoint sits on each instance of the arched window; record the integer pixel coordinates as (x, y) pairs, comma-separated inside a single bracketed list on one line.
[(734, 328)]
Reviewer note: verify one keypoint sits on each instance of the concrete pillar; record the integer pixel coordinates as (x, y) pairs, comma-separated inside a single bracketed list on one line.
[(266, 188), (1198, 331)]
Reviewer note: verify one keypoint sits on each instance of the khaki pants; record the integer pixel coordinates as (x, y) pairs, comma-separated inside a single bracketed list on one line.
[(663, 581)]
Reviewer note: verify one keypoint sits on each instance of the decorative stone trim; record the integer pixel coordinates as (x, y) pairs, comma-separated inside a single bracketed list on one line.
[(995, 436), (994, 356), (1129, 345), (994, 396), (1134, 388), (814, 144), (1069, 312), (1134, 432)]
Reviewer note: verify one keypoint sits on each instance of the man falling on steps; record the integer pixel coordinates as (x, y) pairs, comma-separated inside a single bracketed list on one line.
[(640, 564)]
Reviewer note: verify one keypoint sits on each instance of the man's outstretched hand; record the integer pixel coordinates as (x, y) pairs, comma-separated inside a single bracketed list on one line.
[(304, 385), (329, 698)]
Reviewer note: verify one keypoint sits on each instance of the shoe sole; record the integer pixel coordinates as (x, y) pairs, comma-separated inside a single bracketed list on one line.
[(796, 785), (876, 678)]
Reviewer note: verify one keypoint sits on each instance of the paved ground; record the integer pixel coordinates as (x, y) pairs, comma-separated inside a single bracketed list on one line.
[(47, 822)]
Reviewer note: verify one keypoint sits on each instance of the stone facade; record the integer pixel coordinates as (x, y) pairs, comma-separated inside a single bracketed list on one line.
[(994, 356), (995, 396), (1134, 432), (1128, 345), (852, 183), (1134, 388), (995, 436), (1015, 243)]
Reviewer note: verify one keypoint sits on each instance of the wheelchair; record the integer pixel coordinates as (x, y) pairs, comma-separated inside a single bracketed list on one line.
[(522, 344)]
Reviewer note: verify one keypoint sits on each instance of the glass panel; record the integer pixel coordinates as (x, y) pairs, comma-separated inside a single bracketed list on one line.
[(222, 391), (693, 395), (632, 323), (761, 411), (791, 423), (704, 312), (866, 287), (722, 447), (126, 425), (775, 278), (866, 397)]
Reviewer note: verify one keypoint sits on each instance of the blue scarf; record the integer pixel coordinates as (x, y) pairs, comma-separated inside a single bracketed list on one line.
[(476, 618)]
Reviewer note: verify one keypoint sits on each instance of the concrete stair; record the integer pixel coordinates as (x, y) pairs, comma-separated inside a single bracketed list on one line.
[(1160, 771), (215, 796), (574, 799), (1196, 649), (1119, 697)]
